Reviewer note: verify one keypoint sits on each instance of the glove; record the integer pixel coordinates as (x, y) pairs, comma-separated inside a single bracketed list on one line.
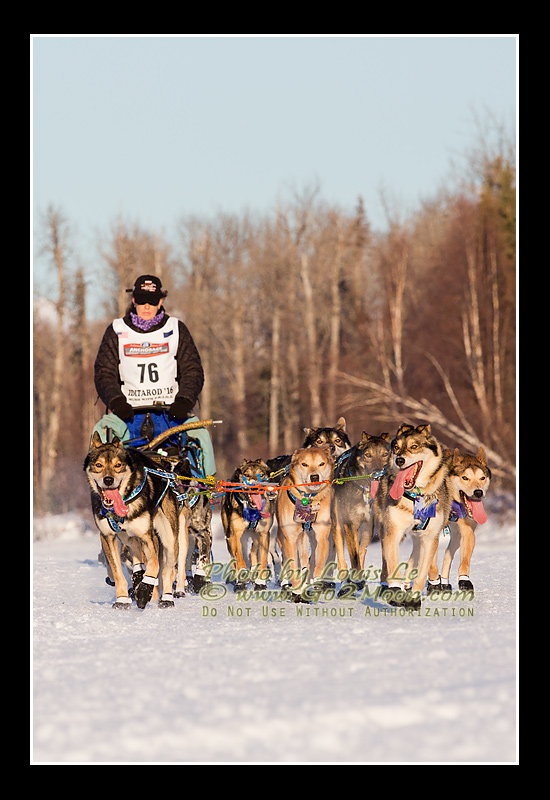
[(122, 408), (180, 408)]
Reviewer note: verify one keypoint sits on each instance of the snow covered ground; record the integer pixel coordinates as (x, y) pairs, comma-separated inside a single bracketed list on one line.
[(231, 682)]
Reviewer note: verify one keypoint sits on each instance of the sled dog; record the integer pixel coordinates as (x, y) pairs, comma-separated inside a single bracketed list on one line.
[(413, 497), (304, 513), (360, 469), (251, 514), (339, 441), (132, 504), (336, 437), (469, 480)]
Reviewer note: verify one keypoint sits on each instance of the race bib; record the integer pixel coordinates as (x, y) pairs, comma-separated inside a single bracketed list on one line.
[(147, 363)]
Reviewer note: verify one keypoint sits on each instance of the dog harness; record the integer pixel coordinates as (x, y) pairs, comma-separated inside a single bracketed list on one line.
[(424, 507), (115, 520), (306, 509), (251, 513)]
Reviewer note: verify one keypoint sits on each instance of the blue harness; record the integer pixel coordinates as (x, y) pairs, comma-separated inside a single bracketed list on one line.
[(251, 514), (423, 511), (172, 483)]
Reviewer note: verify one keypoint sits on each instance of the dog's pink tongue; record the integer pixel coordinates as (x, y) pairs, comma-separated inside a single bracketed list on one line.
[(478, 512), (256, 499), (373, 487), (398, 487), (118, 502)]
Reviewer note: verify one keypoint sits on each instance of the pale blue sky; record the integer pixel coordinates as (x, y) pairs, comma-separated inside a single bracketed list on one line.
[(153, 129)]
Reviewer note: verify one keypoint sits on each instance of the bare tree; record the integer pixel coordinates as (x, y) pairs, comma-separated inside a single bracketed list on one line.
[(422, 410), (335, 316), (83, 360), (130, 252), (50, 386)]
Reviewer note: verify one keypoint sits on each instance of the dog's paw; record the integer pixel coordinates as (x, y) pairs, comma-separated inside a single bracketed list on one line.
[(178, 593), (465, 585), (410, 600), (239, 586), (166, 603), (143, 593), (389, 593), (199, 581), (401, 598), (121, 604), (445, 587), (297, 597), (349, 587), (413, 601)]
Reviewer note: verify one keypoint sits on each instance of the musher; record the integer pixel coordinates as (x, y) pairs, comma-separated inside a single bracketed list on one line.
[(148, 371)]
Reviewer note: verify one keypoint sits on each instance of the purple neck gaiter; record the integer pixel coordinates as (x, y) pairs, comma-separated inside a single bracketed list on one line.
[(146, 324)]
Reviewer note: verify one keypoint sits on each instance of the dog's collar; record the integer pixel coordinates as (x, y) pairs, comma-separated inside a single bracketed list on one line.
[(306, 498), (305, 510), (458, 511)]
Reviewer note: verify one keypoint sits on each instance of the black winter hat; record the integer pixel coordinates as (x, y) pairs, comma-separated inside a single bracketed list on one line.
[(147, 289)]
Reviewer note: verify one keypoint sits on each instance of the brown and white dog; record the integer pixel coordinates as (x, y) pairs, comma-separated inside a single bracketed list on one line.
[(469, 480), (304, 516), (413, 498)]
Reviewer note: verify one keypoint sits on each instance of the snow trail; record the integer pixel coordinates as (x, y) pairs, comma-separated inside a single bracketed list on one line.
[(229, 681)]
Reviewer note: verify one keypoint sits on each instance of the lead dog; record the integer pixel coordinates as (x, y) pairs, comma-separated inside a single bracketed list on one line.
[(413, 498), (360, 470), (470, 478), (248, 512), (304, 513), (132, 504)]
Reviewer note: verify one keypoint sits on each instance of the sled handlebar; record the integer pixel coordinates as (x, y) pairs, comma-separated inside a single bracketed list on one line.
[(185, 426)]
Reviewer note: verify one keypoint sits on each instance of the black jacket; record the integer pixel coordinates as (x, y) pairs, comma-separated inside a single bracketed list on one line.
[(190, 375)]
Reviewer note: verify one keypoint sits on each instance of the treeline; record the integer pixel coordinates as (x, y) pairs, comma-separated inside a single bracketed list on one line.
[(301, 317)]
